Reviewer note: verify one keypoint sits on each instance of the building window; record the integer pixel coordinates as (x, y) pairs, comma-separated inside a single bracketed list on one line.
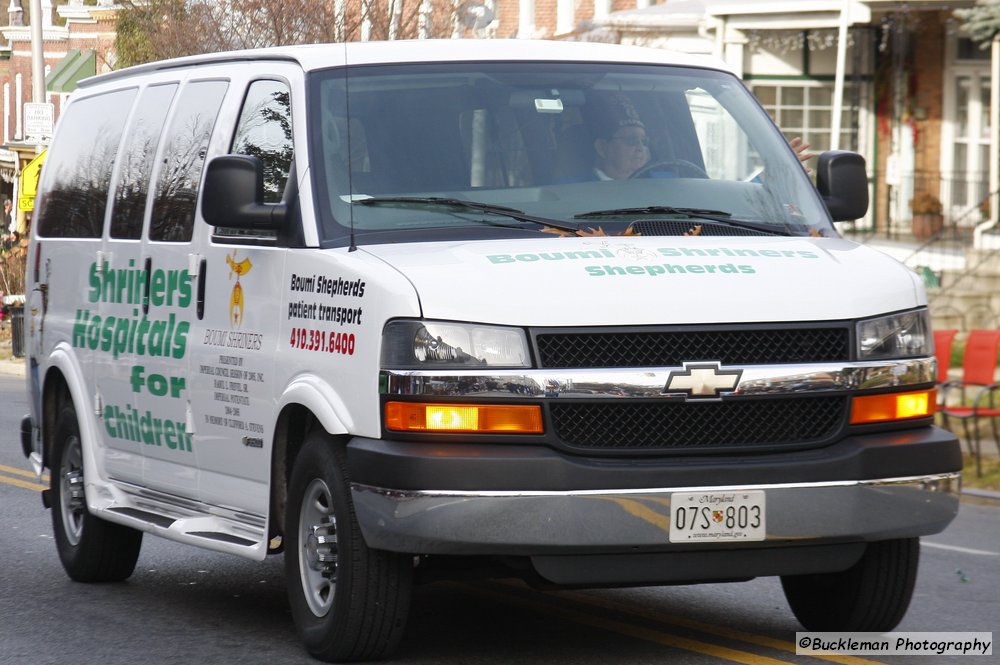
[(970, 50), (806, 110), (971, 150)]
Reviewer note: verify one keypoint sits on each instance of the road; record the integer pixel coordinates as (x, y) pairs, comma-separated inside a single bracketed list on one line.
[(185, 605)]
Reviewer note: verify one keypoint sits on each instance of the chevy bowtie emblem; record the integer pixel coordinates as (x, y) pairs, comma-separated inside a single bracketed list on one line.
[(702, 380)]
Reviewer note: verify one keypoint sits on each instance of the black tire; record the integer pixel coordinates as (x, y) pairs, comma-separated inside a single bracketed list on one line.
[(870, 596), (349, 602), (90, 549)]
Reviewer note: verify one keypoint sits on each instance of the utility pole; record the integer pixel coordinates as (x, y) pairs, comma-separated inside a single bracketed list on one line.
[(37, 57)]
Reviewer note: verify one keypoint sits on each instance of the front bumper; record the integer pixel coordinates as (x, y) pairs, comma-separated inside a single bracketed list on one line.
[(525, 500), (531, 523)]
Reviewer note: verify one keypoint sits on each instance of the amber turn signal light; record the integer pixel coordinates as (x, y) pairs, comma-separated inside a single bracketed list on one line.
[(476, 418), (893, 406)]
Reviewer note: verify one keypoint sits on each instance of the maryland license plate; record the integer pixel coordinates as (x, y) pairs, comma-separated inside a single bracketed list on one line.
[(717, 517)]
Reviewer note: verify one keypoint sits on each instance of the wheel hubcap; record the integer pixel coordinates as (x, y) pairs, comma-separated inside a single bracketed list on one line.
[(73, 502), (318, 551)]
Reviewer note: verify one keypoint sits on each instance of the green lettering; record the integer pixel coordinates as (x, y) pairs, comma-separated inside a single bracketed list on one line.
[(156, 287), (94, 294), (80, 328), (185, 292)]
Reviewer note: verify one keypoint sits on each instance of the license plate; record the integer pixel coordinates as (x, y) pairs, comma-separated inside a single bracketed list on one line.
[(717, 517)]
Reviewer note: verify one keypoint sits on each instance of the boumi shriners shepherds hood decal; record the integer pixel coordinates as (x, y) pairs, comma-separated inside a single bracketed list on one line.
[(650, 280)]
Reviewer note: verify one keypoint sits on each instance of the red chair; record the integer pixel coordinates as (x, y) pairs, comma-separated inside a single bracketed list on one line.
[(975, 395), (942, 350)]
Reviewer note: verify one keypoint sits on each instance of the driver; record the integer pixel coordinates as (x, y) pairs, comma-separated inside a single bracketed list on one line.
[(622, 147)]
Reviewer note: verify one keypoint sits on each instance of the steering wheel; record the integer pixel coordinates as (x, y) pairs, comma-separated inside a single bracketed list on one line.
[(684, 168)]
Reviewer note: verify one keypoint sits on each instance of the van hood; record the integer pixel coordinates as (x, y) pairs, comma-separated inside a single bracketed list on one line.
[(600, 281)]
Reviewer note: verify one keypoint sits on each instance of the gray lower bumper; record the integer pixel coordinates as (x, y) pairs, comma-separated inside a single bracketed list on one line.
[(537, 523)]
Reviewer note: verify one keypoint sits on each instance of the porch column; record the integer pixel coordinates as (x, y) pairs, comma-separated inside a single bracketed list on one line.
[(838, 84), (602, 8), (994, 130), (526, 19), (564, 17)]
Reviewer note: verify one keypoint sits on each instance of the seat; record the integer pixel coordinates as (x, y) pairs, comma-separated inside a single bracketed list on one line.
[(975, 396), (943, 340), (574, 160)]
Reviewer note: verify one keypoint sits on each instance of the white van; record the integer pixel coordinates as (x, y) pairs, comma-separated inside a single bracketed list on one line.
[(571, 312)]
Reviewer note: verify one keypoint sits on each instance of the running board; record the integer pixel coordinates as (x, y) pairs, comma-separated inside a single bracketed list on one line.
[(211, 527)]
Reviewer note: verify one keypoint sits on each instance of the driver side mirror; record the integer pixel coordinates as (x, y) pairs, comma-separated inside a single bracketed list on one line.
[(843, 183), (234, 194)]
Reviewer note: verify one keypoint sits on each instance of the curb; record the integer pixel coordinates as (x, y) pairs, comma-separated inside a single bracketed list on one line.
[(13, 367), (982, 494)]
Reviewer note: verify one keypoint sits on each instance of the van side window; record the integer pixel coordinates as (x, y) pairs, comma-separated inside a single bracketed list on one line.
[(137, 161), (78, 173), (186, 147), (265, 131)]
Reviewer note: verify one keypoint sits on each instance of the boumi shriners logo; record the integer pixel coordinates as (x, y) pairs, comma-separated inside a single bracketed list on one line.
[(236, 302)]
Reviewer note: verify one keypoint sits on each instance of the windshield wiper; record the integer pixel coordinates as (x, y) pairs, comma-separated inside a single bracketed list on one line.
[(461, 205), (717, 216)]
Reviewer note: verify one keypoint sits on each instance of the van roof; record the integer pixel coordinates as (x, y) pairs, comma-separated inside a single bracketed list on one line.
[(321, 56)]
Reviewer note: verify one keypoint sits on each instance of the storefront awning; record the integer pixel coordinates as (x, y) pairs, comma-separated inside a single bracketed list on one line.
[(77, 65)]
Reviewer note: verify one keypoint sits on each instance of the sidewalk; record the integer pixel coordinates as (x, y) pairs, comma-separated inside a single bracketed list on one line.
[(10, 366)]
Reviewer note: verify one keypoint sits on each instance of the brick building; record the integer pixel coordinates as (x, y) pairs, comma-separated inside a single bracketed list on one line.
[(78, 41)]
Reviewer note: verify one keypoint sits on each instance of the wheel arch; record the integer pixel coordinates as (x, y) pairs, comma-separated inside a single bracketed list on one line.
[(308, 404), (64, 382)]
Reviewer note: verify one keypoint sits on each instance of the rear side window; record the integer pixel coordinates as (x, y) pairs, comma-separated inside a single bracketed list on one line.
[(78, 170), (183, 160), (137, 161)]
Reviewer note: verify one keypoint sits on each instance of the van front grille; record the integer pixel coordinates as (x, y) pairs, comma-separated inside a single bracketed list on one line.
[(665, 348), (692, 426)]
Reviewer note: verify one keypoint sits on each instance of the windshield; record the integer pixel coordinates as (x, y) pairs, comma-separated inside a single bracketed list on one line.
[(511, 145)]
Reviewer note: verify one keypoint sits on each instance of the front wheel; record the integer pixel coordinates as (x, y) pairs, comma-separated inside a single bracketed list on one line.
[(90, 549), (349, 602), (870, 596)]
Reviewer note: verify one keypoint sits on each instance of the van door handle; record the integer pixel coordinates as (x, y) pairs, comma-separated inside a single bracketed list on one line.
[(202, 269), (149, 279)]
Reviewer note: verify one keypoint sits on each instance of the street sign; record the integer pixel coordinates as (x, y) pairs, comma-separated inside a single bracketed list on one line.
[(38, 120), (29, 182)]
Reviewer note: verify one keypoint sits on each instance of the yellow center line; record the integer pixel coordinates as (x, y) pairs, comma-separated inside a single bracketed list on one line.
[(17, 482), (638, 632), (668, 639), (721, 631), (17, 472)]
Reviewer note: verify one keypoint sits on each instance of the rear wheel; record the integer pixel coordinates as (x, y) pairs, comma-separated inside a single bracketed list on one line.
[(870, 596), (349, 602), (90, 549)]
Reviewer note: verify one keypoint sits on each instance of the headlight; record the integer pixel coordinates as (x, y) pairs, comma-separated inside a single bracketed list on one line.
[(904, 335), (421, 344)]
